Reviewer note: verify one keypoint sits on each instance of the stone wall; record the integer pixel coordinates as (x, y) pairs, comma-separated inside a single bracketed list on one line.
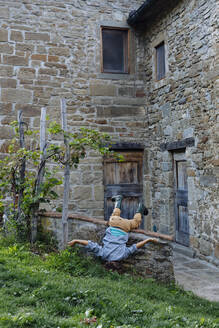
[(181, 107), (51, 49), (151, 261)]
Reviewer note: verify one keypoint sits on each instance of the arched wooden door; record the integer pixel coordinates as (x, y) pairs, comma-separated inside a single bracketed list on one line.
[(125, 178)]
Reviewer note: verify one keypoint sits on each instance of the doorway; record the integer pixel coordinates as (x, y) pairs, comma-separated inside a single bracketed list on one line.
[(181, 198), (125, 178)]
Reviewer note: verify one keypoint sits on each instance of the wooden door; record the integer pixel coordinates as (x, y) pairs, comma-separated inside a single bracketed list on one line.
[(123, 178), (181, 199)]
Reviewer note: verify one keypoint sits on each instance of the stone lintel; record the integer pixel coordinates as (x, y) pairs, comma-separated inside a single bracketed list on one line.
[(127, 146), (180, 144)]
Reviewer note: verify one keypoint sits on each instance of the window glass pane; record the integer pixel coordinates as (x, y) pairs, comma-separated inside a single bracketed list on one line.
[(115, 50), (160, 61)]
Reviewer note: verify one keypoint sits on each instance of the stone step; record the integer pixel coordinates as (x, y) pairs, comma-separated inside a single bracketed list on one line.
[(183, 250)]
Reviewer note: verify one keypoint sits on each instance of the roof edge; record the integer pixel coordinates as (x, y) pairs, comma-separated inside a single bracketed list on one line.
[(134, 15), (149, 11)]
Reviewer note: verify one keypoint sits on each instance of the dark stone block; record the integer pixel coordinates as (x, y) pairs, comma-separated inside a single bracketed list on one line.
[(181, 144), (127, 146)]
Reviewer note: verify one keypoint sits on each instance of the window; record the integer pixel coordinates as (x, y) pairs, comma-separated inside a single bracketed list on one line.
[(159, 58), (160, 61), (115, 50)]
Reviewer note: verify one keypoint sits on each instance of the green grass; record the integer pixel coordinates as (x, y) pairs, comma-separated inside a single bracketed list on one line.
[(65, 290)]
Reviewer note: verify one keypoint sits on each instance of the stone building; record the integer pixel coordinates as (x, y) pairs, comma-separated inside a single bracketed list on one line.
[(143, 72)]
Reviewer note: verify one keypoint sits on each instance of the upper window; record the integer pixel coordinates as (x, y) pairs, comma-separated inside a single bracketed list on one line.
[(115, 50), (160, 61)]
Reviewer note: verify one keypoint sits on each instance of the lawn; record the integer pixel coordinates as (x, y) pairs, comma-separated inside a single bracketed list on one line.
[(65, 290)]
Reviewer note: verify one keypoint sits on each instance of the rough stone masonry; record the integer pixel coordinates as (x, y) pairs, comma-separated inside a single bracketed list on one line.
[(52, 49), (183, 107)]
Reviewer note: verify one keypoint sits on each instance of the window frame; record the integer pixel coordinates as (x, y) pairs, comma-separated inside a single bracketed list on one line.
[(158, 39), (127, 54)]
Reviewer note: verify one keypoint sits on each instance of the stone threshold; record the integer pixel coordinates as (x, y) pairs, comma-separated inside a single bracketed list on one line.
[(183, 250)]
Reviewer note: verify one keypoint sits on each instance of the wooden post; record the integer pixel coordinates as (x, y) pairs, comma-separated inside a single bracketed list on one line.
[(23, 163), (66, 177), (39, 179), (43, 130)]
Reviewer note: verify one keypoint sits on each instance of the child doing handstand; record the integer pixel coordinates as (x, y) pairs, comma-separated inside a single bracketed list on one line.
[(114, 242)]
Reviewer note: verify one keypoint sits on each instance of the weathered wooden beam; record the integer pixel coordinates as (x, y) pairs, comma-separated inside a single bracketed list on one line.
[(96, 221), (40, 175), (154, 234), (23, 163), (43, 130)]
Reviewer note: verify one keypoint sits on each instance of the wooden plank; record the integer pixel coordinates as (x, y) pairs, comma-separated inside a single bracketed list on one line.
[(40, 175), (127, 172), (182, 175), (182, 238), (110, 173), (154, 234), (129, 207), (182, 197), (105, 223), (23, 163), (128, 210), (183, 219), (43, 130)]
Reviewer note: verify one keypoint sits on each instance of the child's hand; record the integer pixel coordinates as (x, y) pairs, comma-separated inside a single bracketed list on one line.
[(72, 243), (153, 240)]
